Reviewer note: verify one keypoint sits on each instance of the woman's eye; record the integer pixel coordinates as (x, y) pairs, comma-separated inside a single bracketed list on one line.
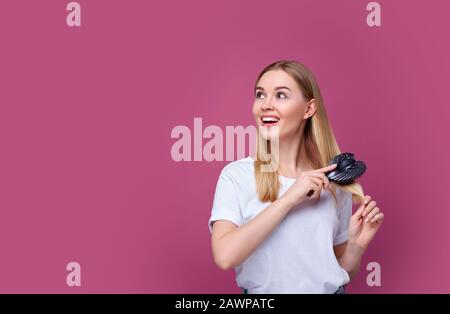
[(258, 94), (280, 95)]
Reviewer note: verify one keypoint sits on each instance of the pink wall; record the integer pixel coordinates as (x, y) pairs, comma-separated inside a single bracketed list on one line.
[(86, 115)]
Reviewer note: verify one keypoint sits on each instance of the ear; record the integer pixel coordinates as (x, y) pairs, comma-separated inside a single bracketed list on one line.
[(310, 109)]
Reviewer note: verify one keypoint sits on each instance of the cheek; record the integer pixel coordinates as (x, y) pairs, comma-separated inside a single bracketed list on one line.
[(291, 113), (255, 109)]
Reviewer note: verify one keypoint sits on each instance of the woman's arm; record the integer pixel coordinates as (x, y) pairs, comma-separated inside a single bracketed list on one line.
[(349, 257), (363, 226), (232, 245)]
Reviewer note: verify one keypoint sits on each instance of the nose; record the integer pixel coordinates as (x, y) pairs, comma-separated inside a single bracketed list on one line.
[(268, 105)]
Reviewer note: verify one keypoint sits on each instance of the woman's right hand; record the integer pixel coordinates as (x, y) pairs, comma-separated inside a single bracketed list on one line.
[(313, 180)]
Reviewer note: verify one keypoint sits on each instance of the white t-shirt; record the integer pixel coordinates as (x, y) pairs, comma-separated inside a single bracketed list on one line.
[(298, 256)]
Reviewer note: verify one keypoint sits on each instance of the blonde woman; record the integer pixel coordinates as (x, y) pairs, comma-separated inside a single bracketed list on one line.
[(263, 223)]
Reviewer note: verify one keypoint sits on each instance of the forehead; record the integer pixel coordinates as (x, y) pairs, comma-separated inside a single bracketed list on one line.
[(274, 78)]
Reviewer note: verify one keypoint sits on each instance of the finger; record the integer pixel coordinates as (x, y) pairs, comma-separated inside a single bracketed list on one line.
[(372, 214), (369, 208), (358, 214), (367, 199), (316, 194), (321, 176), (317, 181), (378, 218), (362, 206), (316, 185), (313, 186), (325, 169)]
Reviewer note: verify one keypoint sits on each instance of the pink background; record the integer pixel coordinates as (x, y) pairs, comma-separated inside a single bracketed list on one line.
[(86, 116)]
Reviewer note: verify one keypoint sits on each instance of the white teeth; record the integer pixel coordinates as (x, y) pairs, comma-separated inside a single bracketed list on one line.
[(270, 119)]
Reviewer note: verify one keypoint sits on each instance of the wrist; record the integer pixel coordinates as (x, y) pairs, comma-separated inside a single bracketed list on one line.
[(355, 248), (290, 201)]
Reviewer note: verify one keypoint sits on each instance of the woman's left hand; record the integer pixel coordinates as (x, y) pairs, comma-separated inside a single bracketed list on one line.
[(365, 223)]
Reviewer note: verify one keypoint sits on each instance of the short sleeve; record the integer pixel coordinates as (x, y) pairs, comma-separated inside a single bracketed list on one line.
[(226, 203), (344, 214)]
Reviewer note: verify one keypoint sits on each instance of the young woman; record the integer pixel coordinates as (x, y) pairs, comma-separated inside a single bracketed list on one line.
[(263, 223)]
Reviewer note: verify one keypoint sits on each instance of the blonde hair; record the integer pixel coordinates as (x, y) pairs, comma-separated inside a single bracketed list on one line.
[(320, 143)]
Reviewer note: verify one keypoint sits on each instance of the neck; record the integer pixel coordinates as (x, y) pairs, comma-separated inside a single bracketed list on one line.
[(293, 159)]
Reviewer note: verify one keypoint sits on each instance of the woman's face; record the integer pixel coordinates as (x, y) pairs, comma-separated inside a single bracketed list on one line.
[(279, 102)]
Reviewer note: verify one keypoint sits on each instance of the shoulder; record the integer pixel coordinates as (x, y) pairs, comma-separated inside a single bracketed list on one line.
[(238, 165), (239, 168)]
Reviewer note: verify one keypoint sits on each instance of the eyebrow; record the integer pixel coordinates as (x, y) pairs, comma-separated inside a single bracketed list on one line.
[(276, 88)]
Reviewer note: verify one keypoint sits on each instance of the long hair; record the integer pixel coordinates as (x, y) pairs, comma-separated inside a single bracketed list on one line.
[(320, 142)]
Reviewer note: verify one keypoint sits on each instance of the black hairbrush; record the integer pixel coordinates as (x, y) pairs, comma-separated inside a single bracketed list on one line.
[(346, 171)]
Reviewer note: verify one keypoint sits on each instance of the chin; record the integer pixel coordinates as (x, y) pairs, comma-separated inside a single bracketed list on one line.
[(271, 133)]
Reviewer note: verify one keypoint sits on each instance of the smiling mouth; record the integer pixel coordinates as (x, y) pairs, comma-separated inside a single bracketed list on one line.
[(269, 120)]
